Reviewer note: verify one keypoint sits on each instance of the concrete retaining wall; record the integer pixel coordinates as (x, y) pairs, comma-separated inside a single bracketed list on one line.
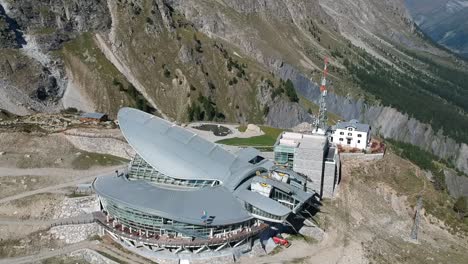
[(362, 156)]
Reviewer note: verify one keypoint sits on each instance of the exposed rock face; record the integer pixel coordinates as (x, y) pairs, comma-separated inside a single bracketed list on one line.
[(23, 77), (10, 36), (33, 29), (66, 16), (386, 121), (286, 115), (456, 185)]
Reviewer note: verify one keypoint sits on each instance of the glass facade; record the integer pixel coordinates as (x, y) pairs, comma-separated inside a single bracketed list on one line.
[(259, 212), (141, 170), (152, 225), (284, 198), (284, 155)]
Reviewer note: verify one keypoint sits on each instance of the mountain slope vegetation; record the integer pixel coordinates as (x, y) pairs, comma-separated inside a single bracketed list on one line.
[(231, 60)]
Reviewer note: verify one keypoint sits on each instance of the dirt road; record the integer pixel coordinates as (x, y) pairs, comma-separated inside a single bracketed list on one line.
[(85, 218), (8, 171), (86, 176), (45, 254)]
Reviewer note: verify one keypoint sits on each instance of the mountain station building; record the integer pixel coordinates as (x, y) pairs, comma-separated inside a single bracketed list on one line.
[(182, 193)]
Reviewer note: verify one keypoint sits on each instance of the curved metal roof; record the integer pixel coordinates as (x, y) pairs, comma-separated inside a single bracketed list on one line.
[(175, 151), (184, 205), (181, 154)]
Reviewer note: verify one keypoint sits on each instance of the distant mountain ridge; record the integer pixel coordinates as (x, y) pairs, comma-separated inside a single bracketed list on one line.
[(446, 22)]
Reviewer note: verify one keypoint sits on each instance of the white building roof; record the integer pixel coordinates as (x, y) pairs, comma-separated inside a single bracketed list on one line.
[(355, 124)]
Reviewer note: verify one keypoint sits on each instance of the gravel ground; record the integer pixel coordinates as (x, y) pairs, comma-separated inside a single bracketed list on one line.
[(208, 135)]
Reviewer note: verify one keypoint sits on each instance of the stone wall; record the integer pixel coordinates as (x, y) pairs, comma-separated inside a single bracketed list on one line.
[(71, 234), (98, 142)]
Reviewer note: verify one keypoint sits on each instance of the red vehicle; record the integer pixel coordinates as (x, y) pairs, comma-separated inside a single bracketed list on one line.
[(281, 241)]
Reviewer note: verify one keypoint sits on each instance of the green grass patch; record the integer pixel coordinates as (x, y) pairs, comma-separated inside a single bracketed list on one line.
[(77, 195), (95, 238), (88, 159), (44, 31), (266, 140)]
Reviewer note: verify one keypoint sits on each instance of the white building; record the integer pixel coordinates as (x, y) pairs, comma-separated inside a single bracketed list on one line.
[(351, 134)]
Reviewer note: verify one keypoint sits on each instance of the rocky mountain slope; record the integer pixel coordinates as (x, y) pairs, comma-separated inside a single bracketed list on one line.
[(229, 60), (444, 21)]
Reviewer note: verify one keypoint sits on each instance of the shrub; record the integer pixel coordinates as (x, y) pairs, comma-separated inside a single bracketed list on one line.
[(461, 206), (167, 73), (291, 91), (70, 110)]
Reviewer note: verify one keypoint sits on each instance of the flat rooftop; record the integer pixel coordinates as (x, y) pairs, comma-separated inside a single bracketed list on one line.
[(304, 141)]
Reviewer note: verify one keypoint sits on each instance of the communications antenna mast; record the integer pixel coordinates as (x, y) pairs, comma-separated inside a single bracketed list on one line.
[(321, 121)]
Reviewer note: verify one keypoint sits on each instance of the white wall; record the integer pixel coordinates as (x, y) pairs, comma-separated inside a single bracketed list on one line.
[(354, 140)]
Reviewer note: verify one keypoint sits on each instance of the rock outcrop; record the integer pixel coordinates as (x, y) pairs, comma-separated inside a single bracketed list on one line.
[(385, 121), (10, 36)]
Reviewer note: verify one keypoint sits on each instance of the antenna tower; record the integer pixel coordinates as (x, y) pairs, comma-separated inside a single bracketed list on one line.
[(321, 121)]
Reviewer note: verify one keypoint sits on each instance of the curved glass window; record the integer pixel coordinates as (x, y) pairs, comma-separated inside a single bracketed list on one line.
[(259, 212), (153, 225), (141, 170)]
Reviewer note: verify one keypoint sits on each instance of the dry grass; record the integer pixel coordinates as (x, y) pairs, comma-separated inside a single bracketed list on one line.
[(39, 206), (381, 200)]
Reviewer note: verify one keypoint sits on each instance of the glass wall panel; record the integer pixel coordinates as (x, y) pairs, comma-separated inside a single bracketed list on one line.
[(153, 224), (141, 170)]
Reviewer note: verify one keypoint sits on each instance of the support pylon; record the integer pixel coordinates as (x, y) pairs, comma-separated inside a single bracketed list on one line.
[(321, 120)]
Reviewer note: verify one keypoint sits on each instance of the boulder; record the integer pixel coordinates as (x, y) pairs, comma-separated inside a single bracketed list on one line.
[(313, 232), (253, 128), (270, 245)]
